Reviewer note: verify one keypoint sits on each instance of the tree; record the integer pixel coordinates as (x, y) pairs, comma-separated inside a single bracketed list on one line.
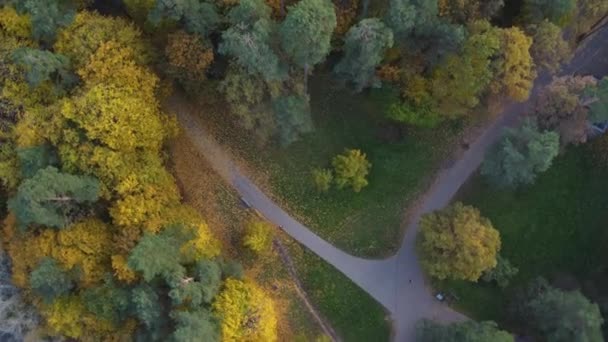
[(596, 99), (514, 72), (34, 159), (457, 83), (188, 57), (90, 30), (49, 197), (567, 316), (41, 66), (470, 331), (549, 48), (351, 169), (48, 280), (146, 304), (364, 46), (293, 118), (457, 243), (250, 46), (322, 179), (589, 13), (194, 325), (464, 11), (258, 236), (559, 12), (521, 155), (247, 96), (155, 255), (401, 17), (47, 16), (246, 312), (558, 108), (502, 273), (306, 32), (196, 16), (108, 301)]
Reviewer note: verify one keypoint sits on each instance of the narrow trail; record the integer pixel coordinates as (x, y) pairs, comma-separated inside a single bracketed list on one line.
[(397, 282)]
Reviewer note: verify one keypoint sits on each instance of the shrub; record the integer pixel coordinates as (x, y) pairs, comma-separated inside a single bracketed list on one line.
[(258, 236), (322, 179)]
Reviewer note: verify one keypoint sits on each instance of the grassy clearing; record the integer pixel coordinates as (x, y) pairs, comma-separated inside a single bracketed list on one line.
[(554, 228), (354, 315), (403, 163), (346, 307)]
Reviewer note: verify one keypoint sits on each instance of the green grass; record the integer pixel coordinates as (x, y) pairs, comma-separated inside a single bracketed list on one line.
[(553, 228), (366, 223), (354, 315)]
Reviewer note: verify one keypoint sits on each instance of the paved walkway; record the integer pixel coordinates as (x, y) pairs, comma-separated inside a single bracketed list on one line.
[(397, 282)]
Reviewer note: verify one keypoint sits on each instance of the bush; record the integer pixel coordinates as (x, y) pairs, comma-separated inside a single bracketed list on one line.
[(351, 168), (502, 273), (322, 179), (258, 236)]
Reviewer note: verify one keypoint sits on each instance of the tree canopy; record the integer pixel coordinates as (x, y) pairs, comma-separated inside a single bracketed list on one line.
[(457, 243), (521, 155)]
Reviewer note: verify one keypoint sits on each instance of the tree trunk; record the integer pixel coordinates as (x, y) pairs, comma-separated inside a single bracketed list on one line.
[(306, 78)]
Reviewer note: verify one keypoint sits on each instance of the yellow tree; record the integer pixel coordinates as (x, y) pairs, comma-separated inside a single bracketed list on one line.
[(513, 66), (188, 56), (457, 243), (89, 30), (247, 313)]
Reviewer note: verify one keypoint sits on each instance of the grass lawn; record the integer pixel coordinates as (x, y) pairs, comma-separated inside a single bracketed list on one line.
[(354, 315), (554, 228), (367, 223)]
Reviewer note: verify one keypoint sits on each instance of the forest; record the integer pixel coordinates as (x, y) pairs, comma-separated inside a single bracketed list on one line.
[(343, 111)]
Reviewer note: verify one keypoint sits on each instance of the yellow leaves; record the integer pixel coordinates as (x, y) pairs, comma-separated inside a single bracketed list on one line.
[(90, 30), (247, 312), (63, 316), (258, 236), (514, 66), (116, 118), (14, 24), (122, 271), (202, 246), (85, 245), (115, 64)]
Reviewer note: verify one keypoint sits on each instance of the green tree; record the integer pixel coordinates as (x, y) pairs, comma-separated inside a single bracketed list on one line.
[(306, 32), (146, 304), (559, 12), (155, 255), (364, 48), (292, 114), (195, 325), (567, 316), (521, 155), (401, 17), (258, 236), (248, 98), (457, 243), (36, 158), (351, 169), (50, 198), (596, 99), (108, 301), (322, 179), (47, 17), (470, 331), (196, 16), (41, 66), (250, 46), (549, 49), (458, 82), (48, 280), (502, 273)]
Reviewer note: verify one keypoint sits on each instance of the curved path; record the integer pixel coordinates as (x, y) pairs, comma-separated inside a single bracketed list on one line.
[(397, 282)]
